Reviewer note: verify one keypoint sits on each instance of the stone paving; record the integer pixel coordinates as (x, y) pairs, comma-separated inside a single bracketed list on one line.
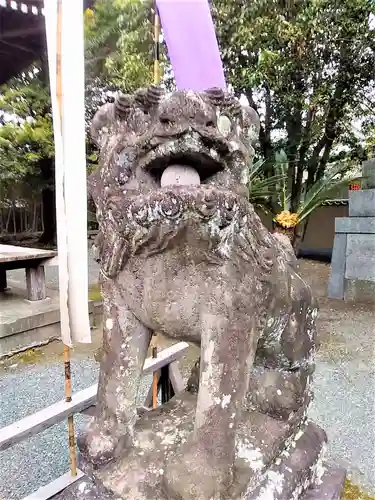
[(344, 392)]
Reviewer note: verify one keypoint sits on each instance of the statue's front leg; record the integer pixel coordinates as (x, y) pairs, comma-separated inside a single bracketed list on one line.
[(203, 468), (125, 344)]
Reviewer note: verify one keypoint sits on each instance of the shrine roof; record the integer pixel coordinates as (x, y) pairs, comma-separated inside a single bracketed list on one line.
[(22, 35)]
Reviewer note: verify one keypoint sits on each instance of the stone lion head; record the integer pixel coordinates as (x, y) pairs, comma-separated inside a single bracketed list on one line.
[(168, 159)]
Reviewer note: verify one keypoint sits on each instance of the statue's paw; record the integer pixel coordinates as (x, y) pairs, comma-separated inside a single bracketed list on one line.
[(99, 445), (191, 474)]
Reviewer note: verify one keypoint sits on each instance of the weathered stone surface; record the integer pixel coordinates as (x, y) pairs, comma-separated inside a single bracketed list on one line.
[(330, 487), (355, 225), (353, 258), (195, 262), (161, 434), (299, 467), (271, 455), (362, 203), (360, 257), (85, 489), (368, 170), (336, 284)]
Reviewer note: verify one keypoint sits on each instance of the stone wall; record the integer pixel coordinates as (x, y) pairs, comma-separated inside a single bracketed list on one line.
[(353, 259)]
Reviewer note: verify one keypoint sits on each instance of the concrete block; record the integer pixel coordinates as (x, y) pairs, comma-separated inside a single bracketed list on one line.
[(362, 203), (368, 170), (360, 257), (362, 225), (24, 325), (336, 284)]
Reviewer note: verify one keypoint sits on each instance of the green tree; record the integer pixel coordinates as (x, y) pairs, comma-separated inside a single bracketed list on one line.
[(305, 66), (118, 56), (26, 142), (119, 45)]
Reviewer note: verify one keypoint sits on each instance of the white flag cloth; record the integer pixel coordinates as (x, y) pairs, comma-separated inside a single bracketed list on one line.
[(70, 168)]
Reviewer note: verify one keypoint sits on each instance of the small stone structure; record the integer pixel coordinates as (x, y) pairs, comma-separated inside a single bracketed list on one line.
[(353, 259), (182, 252)]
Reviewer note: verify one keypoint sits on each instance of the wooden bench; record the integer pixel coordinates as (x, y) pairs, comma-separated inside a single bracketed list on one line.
[(33, 261)]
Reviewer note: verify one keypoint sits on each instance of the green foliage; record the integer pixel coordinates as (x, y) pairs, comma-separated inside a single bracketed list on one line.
[(26, 136), (119, 43), (118, 55), (305, 67), (263, 189), (313, 196)]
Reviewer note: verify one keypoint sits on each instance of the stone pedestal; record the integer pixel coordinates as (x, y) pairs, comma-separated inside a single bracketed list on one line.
[(353, 258), (273, 460)]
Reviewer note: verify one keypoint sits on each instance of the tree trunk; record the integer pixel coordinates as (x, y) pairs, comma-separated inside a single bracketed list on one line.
[(300, 234), (48, 201)]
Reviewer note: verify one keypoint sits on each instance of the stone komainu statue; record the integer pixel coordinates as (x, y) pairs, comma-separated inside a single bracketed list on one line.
[(182, 252)]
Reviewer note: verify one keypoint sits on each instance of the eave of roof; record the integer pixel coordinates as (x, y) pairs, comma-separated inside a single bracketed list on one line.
[(338, 202), (32, 7), (22, 35)]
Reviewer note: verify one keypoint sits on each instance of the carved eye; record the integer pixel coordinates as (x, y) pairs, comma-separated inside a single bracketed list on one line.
[(224, 125)]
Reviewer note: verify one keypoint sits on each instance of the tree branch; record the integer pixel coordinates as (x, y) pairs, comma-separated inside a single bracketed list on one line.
[(265, 130)]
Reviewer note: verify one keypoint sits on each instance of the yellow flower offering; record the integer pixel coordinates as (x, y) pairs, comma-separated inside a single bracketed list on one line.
[(287, 219), (89, 13)]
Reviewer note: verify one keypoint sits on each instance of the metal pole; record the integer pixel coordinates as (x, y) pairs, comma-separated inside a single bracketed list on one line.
[(67, 371)]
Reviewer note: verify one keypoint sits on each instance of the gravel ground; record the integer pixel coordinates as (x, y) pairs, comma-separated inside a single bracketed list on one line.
[(27, 386), (345, 378), (26, 389), (344, 393)]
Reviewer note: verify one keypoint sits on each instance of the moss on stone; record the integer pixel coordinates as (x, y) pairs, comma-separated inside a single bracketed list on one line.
[(29, 357), (353, 492), (94, 293)]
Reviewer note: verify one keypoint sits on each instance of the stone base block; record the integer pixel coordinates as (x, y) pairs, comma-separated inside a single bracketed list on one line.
[(360, 257), (368, 171), (274, 459), (331, 486), (362, 203)]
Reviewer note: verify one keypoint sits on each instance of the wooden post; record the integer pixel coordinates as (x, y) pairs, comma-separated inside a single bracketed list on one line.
[(67, 368), (155, 381), (3, 279), (156, 46), (36, 282)]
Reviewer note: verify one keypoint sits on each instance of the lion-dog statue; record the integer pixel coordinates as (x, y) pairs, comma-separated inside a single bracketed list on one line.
[(183, 253)]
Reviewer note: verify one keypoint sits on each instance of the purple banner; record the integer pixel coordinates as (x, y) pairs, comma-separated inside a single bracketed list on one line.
[(192, 45)]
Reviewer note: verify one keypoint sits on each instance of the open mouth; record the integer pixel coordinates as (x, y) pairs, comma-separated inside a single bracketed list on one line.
[(186, 169)]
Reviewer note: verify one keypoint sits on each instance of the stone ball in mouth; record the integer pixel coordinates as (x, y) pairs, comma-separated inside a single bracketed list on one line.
[(180, 175)]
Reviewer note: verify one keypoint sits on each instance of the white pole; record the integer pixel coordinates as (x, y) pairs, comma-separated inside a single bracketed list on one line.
[(70, 168), (74, 145)]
